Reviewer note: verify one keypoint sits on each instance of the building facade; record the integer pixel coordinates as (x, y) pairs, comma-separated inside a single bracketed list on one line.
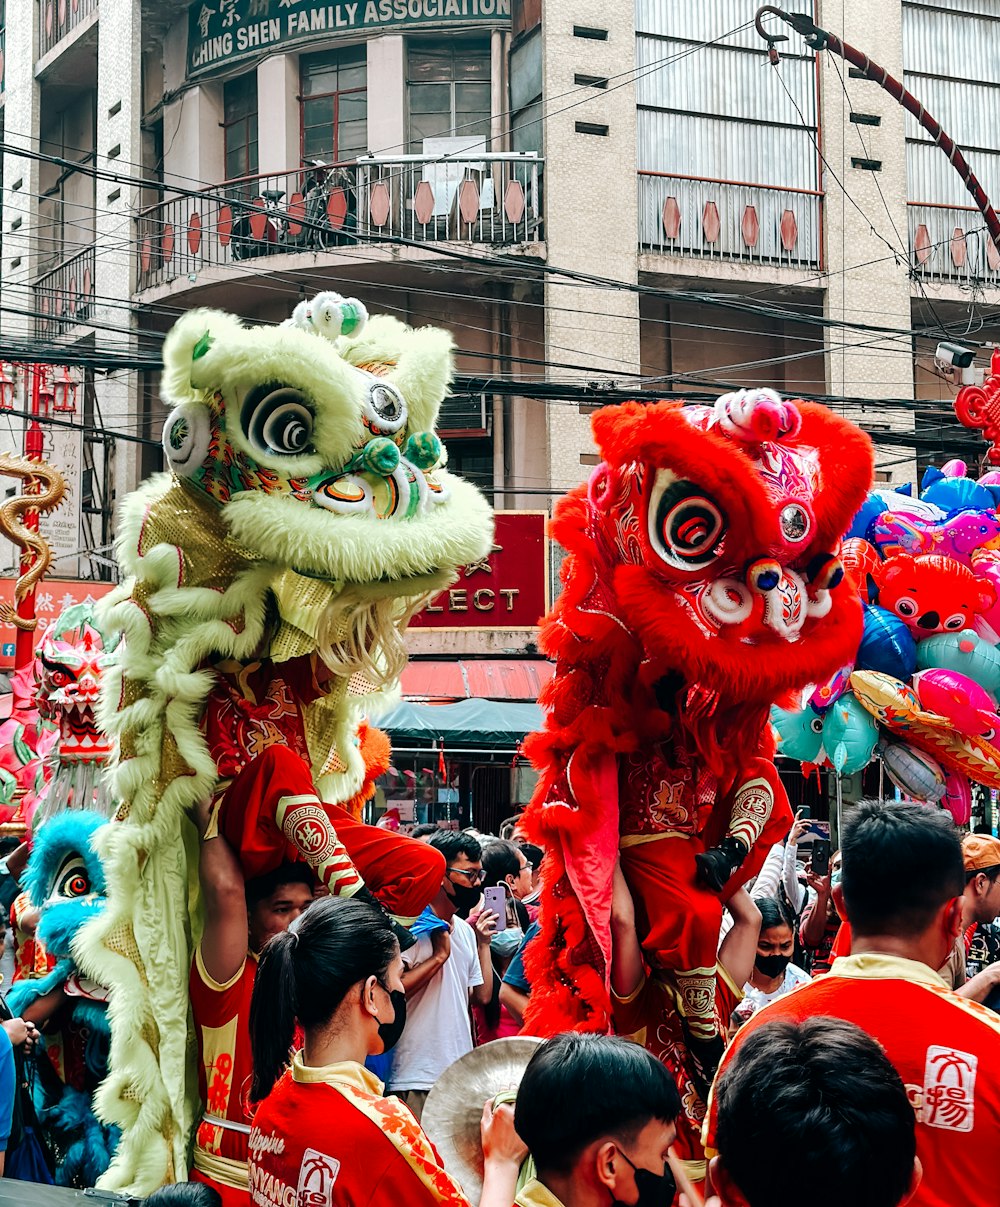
[(592, 197)]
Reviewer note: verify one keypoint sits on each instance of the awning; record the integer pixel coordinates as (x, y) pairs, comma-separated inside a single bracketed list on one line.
[(504, 679), (479, 724)]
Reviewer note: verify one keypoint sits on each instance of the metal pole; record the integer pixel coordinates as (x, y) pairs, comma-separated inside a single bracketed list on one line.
[(821, 39), (34, 447)]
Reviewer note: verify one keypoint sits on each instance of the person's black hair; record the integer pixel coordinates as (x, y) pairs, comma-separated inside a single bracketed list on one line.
[(9, 844), (185, 1194), (425, 828), (579, 1087), (532, 853), (500, 860), (305, 973), (900, 865), (773, 912), (452, 843), (261, 887), (846, 1125), (991, 873)]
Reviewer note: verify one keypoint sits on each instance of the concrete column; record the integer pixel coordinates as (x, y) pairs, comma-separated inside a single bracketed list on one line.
[(857, 290), (193, 143), (387, 111), (278, 142), (119, 144), (590, 214), (22, 120)]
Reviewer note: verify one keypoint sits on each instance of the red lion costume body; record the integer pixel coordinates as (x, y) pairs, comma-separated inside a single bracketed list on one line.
[(700, 586)]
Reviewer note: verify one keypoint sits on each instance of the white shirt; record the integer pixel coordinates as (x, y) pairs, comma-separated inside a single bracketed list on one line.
[(437, 1030), (794, 976)]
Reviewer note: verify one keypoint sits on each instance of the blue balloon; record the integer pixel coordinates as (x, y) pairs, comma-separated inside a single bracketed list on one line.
[(887, 645), (954, 494)]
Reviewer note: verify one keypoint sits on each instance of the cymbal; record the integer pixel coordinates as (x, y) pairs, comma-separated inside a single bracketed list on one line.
[(454, 1107)]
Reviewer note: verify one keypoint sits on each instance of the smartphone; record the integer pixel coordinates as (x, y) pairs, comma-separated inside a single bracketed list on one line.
[(814, 831), (805, 813), (821, 857), (495, 899)]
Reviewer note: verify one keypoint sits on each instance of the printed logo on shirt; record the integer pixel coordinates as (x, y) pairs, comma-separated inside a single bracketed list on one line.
[(317, 1175), (949, 1089)]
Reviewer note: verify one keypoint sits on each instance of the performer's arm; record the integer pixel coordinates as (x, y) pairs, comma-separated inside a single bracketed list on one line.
[(415, 978), (736, 955), (224, 941), (627, 968), (503, 1152)]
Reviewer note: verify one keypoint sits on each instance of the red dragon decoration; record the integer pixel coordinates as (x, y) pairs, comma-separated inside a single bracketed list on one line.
[(699, 587)]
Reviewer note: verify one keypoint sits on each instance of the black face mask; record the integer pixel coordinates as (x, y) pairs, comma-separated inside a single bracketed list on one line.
[(466, 898), (772, 966), (655, 1189), (389, 1033)]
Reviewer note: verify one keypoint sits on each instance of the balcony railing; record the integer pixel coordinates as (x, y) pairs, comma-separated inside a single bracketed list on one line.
[(724, 220), (57, 18), (64, 296), (490, 199), (951, 243)]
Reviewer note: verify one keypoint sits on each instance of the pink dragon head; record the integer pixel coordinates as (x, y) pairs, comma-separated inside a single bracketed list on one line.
[(69, 662)]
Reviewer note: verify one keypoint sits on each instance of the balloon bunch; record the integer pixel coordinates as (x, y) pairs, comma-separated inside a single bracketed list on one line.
[(924, 688)]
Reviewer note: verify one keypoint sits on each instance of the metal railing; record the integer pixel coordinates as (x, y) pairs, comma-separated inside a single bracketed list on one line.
[(727, 220), (951, 243), (3, 56), (463, 198), (64, 296), (57, 18)]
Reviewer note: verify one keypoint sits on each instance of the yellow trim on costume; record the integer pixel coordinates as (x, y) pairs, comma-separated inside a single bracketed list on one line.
[(222, 1169), (876, 966), (536, 1194), (697, 1171), (627, 1001), (210, 981), (348, 1072), (306, 798), (635, 840)]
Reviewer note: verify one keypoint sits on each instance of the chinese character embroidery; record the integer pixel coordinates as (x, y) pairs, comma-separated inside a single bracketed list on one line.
[(949, 1089)]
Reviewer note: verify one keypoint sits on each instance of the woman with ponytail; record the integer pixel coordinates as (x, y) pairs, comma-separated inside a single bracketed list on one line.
[(323, 1132)]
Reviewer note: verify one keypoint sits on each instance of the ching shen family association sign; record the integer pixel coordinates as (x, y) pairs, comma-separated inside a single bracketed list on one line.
[(223, 31)]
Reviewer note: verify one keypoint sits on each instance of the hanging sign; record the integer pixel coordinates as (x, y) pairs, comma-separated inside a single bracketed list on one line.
[(221, 32)]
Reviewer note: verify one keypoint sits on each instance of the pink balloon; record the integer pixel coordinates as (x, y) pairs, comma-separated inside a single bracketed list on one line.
[(957, 798), (957, 697)]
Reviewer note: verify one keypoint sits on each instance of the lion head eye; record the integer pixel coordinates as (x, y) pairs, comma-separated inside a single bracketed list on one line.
[(278, 421), (686, 525), (73, 878), (385, 407)]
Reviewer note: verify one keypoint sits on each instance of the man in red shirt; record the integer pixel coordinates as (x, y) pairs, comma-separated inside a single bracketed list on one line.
[(901, 891)]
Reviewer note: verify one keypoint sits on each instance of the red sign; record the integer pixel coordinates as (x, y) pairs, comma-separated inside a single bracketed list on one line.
[(51, 596), (508, 589)]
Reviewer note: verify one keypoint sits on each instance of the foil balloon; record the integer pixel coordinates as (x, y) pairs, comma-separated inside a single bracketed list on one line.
[(968, 706), (850, 735), (861, 562), (831, 690), (881, 501), (949, 489), (887, 645), (957, 798), (965, 652), (798, 733), (957, 537), (914, 773), (932, 593)]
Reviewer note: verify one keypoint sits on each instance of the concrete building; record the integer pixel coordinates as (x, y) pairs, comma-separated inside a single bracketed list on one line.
[(587, 194)]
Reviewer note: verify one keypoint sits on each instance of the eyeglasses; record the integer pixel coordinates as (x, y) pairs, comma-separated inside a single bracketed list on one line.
[(473, 875)]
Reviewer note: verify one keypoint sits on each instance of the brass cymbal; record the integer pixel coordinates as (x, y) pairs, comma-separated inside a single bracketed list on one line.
[(454, 1107)]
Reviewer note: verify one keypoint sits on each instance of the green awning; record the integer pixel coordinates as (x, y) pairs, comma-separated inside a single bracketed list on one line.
[(490, 724)]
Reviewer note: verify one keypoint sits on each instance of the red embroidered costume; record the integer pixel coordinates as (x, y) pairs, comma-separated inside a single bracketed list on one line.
[(700, 586)]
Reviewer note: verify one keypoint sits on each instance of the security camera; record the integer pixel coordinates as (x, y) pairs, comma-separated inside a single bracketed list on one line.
[(955, 355)]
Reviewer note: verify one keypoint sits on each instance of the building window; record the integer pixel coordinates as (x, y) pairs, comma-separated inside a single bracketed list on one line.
[(239, 102), (449, 91), (335, 105)]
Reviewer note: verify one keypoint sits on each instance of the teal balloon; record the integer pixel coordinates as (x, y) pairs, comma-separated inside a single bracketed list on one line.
[(887, 645), (798, 732), (966, 653), (850, 735)]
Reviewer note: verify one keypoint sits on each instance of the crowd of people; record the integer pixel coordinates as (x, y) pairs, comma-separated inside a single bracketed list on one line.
[(863, 1050)]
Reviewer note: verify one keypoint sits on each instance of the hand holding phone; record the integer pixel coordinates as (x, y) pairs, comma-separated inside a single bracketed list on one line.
[(495, 899), (821, 857)]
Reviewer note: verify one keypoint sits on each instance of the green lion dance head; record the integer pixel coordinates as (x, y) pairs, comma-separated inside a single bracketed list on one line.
[(306, 511)]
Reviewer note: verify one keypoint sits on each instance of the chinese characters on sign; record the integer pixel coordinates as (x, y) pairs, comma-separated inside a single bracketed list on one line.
[(223, 31), (508, 589), (52, 596)]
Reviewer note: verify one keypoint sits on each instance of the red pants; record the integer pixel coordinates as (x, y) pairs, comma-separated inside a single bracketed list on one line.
[(403, 873)]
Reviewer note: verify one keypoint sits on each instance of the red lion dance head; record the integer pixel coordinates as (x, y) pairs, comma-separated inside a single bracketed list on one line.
[(700, 586)]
